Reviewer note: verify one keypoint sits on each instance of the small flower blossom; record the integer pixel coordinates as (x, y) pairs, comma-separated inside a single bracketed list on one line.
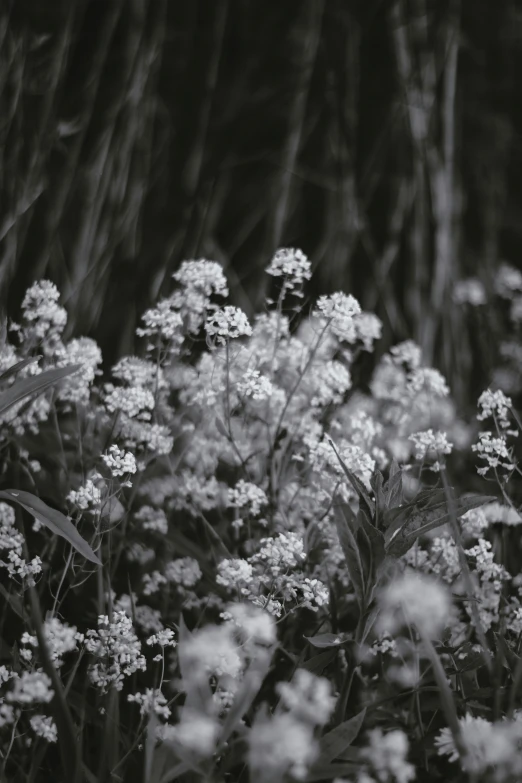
[(195, 732), (164, 638), (369, 329), (486, 745), (183, 571), (308, 697), (42, 312), (86, 498), (281, 744), (31, 688), (118, 650), (292, 265), (255, 385), (44, 727), (163, 321), (246, 495), (120, 462), (428, 380), (204, 276), (254, 626), (152, 519), (133, 401), (227, 324), (507, 281), (234, 573), (494, 405), (470, 291), (386, 755), (339, 311), (61, 639), (428, 444), (151, 701), (494, 451), (417, 599)]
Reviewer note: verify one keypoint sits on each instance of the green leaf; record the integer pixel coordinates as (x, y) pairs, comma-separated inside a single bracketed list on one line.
[(336, 741), (318, 663), (419, 517), (346, 530), (331, 771), (327, 639), (357, 484), (15, 368), (393, 491), (57, 522), (36, 384)]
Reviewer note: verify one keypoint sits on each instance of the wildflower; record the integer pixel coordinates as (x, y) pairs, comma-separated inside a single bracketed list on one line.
[(430, 443), (235, 574), (487, 745), (254, 626), (135, 371), (164, 638), (152, 582), (428, 380), (292, 265), (494, 451), (280, 744), (280, 553), (119, 461), (368, 328), (133, 401), (152, 519), (12, 542), (151, 701), (494, 405), (246, 495), (61, 638), (330, 382), (339, 310), (507, 280), (163, 321), (255, 385), (183, 571), (195, 732), (212, 651), (85, 352), (204, 276), (86, 498), (308, 697), (497, 512), (41, 310), (44, 727), (407, 353), (386, 755), (470, 291), (118, 649), (30, 688), (314, 593), (417, 599), (227, 324)]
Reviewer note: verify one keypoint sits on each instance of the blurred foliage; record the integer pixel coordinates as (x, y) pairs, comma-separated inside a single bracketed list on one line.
[(383, 137)]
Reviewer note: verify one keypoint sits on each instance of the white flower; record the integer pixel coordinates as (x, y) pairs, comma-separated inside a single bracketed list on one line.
[(212, 651), (119, 461), (494, 451), (153, 519), (369, 328), (165, 322), (151, 701), (292, 265), (132, 401), (280, 744), (41, 309), (487, 745), (44, 727), (428, 380), (417, 599), (118, 650), (234, 573), (494, 405), (227, 323), (255, 385), (30, 688), (308, 697), (85, 498), (246, 495), (195, 732), (164, 638), (204, 276), (184, 571), (254, 626), (339, 309), (431, 444), (507, 280), (470, 291), (387, 753)]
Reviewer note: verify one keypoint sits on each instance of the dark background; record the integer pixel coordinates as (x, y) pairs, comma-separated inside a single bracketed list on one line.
[(383, 138)]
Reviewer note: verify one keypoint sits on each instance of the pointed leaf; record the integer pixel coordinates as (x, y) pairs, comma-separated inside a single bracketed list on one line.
[(327, 639), (336, 741), (318, 663), (393, 490), (35, 384), (15, 368), (51, 518), (357, 484), (350, 550)]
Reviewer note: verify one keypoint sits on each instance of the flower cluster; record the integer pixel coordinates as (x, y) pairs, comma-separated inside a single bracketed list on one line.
[(118, 650)]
